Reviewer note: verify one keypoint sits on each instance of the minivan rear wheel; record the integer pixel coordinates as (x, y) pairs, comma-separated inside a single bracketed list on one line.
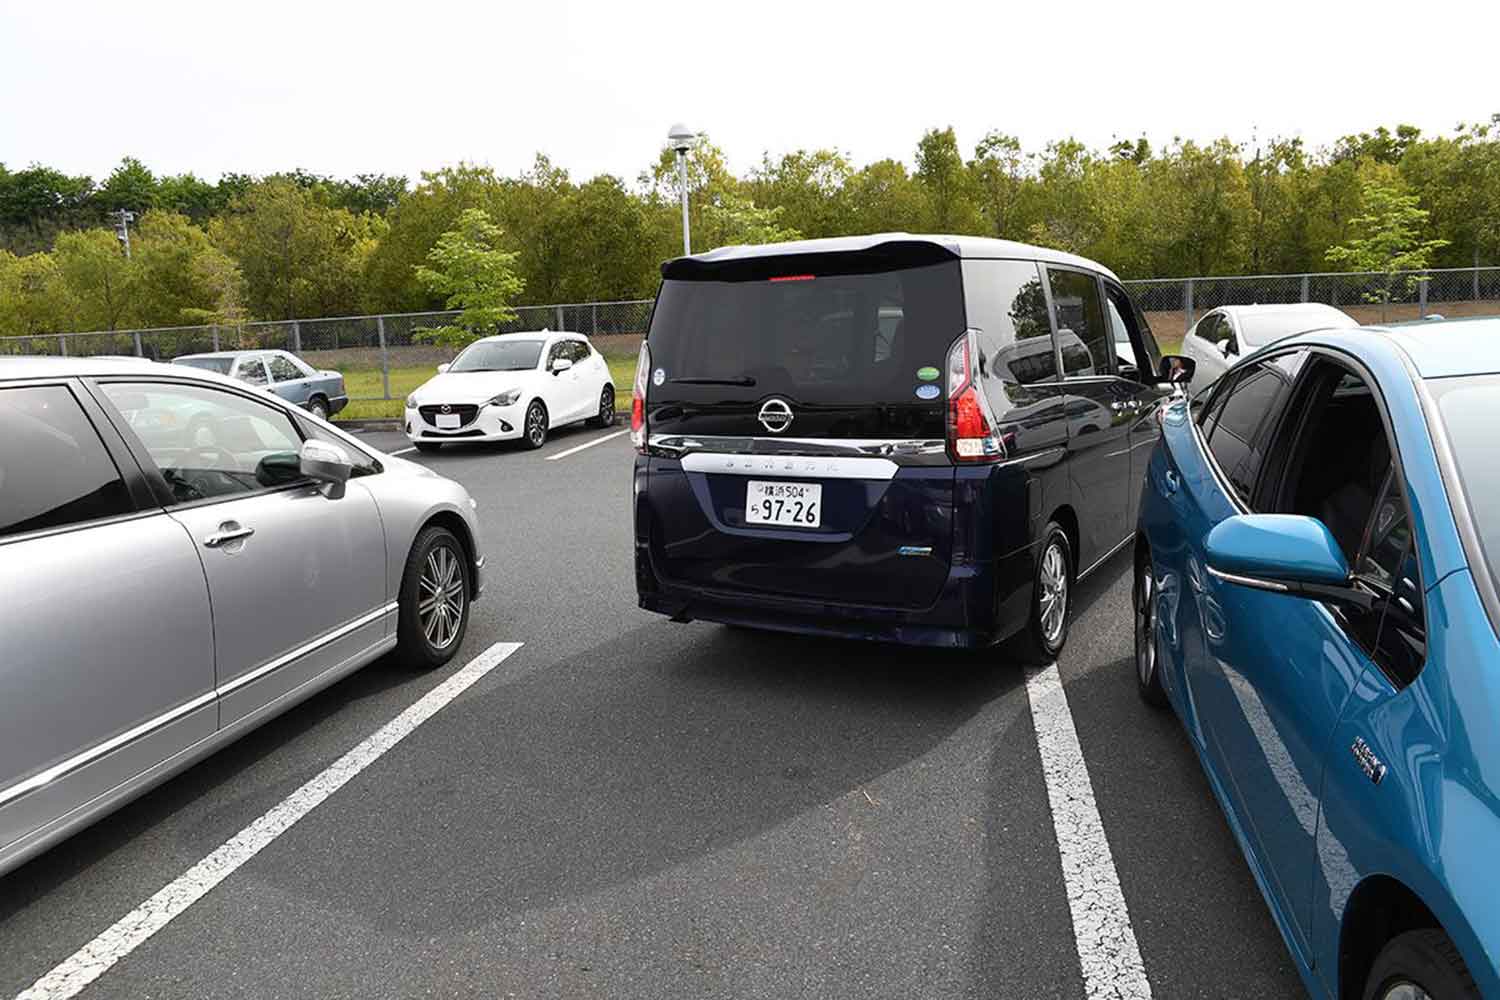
[(1051, 595)]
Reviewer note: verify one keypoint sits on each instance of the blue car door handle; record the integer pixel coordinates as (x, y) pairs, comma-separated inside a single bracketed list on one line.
[(1171, 481)]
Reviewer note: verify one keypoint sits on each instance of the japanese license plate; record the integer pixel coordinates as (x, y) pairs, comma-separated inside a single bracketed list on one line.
[(447, 421), (794, 505)]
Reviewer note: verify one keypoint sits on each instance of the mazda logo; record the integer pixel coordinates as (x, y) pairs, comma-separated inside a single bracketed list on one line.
[(446, 408), (775, 415)]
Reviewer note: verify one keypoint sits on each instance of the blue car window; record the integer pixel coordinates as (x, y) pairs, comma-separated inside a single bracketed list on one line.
[(1234, 427)]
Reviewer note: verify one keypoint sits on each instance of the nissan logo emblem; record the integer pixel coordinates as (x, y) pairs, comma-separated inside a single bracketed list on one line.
[(775, 415)]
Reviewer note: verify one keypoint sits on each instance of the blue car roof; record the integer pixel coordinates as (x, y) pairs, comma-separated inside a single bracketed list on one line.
[(1445, 348)]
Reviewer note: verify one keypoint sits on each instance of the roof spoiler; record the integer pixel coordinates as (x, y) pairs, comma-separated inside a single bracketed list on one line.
[(755, 266)]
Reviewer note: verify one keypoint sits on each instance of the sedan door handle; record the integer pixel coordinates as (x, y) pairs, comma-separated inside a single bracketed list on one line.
[(229, 531), (1172, 481)]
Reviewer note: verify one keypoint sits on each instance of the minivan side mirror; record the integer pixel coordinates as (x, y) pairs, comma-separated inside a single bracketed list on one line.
[(326, 463), (1176, 369), (442, 367), (1283, 553), (560, 365)]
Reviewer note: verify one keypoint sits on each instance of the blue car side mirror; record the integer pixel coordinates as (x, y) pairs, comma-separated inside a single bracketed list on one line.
[(1283, 553)]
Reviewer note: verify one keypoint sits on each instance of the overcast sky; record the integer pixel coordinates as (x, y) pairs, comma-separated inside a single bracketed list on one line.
[(345, 88)]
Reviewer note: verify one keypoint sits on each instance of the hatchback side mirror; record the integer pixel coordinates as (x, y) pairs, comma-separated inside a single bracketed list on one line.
[(560, 365), (326, 463), (442, 367), (1283, 553), (1176, 369)]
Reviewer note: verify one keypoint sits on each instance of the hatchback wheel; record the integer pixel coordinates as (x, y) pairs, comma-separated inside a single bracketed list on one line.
[(1052, 593), (1420, 965), (434, 599), (606, 414), (1147, 664), (536, 425)]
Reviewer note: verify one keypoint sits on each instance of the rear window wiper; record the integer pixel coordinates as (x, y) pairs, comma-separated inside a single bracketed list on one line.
[(744, 380)]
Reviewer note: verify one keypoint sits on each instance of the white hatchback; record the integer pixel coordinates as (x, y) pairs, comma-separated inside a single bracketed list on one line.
[(1228, 333), (512, 386)]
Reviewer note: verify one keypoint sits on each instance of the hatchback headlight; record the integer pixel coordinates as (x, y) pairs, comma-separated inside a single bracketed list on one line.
[(411, 401), (506, 398)]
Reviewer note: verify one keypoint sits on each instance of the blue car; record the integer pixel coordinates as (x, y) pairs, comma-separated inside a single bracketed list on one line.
[(320, 393), (1317, 597)]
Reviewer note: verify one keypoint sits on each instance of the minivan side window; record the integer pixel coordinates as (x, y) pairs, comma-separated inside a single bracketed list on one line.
[(54, 470), (1082, 335), (1005, 301)]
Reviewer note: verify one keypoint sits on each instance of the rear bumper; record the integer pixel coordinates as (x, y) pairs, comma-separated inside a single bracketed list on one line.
[(980, 605), (337, 403)]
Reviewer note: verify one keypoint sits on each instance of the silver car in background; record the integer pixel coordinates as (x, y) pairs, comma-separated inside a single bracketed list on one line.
[(183, 557)]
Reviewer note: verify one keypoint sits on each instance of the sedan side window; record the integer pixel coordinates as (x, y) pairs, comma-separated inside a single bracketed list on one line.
[(1237, 431), (283, 370), (252, 371), (209, 442), (1387, 564), (54, 470)]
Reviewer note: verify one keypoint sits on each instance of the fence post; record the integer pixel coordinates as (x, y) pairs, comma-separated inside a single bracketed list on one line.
[(62, 345), (595, 331), (559, 319), (1476, 274), (1422, 297), (1187, 302), (216, 336), (138, 352), (385, 361), (296, 337), (1304, 288)]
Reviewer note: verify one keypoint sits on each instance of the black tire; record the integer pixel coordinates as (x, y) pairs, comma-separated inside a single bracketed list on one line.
[(606, 415), (534, 430), (1424, 959), (1147, 658), (318, 407), (427, 447), (423, 644), (1046, 634)]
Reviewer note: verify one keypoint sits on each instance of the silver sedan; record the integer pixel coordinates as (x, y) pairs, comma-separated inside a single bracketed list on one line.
[(181, 559)]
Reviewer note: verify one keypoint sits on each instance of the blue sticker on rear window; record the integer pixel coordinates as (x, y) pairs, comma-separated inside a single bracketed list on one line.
[(928, 392)]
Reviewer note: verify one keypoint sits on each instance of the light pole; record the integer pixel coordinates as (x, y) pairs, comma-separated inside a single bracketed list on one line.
[(681, 138)]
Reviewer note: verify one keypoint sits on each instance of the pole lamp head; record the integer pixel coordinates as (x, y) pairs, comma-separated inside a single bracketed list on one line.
[(681, 137)]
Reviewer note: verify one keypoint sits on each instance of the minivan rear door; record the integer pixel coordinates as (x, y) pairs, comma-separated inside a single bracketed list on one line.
[(797, 423)]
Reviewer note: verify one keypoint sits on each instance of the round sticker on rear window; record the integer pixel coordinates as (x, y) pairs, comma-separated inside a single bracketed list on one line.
[(658, 377), (927, 392), (927, 374)]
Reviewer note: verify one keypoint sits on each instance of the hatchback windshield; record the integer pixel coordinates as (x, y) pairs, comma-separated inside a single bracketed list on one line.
[(1470, 408), (220, 365), (499, 356)]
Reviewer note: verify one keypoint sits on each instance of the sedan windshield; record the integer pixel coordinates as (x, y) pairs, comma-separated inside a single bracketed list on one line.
[(220, 365), (1470, 408), (498, 356)]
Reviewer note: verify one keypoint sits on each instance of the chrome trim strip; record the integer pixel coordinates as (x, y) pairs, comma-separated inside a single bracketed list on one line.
[(306, 648), (683, 444), (791, 466), (65, 767), (1034, 457), (1108, 555), (1249, 581)]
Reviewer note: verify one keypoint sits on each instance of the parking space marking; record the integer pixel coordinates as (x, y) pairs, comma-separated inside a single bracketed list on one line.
[(91, 961), (586, 444), (403, 451), (1107, 949)]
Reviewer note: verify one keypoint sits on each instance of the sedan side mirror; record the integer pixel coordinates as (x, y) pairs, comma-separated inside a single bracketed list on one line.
[(560, 365), (1176, 369), (442, 367), (326, 463), (1285, 554)]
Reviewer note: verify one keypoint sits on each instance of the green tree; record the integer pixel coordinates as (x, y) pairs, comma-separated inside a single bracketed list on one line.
[(181, 277), (999, 175), (470, 271), (131, 186), (32, 297), (942, 175), (1388, 239), (99, 279), (811, 189)]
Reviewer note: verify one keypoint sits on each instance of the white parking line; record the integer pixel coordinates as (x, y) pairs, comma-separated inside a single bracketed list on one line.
[(1107, 949), (403, 451), (586, 444), (136, 927)]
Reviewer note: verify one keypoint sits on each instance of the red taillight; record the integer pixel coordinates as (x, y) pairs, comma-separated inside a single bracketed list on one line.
[(794, 277), (971, 435), (638, 399)]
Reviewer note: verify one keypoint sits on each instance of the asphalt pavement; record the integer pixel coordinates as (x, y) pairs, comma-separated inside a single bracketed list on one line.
[(628, 807)]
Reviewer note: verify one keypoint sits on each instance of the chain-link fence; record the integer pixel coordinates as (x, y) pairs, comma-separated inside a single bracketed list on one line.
[(384, 357)]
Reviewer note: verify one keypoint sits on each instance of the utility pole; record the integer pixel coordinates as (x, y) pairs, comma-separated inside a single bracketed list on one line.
[(123, 219)]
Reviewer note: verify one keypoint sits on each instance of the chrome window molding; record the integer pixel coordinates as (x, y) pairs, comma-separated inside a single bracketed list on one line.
[(82, 759), (1249, 581), (677, 445), (63, 529), (791, 466)]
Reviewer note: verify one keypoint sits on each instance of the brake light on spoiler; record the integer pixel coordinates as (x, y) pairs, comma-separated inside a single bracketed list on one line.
[(971, 427), (793, 277)]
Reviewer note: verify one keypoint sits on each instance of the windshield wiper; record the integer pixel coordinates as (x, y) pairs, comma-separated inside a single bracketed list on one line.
[(744, 380)]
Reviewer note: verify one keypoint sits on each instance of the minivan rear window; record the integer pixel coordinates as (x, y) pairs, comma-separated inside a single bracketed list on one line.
[(817, 337)]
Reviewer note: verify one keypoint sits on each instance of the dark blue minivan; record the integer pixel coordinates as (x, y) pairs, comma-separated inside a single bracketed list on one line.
[(918, 439)]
